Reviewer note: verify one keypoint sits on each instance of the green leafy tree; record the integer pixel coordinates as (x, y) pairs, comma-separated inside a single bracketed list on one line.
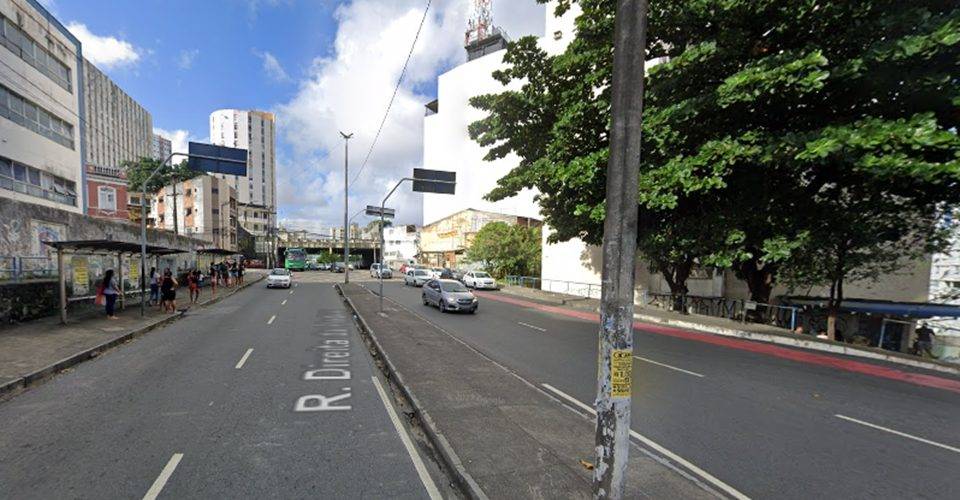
[(507, 249), (138, 171), (769, 127)]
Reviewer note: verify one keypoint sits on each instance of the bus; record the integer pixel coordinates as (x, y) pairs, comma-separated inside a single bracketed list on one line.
[(295, 259)]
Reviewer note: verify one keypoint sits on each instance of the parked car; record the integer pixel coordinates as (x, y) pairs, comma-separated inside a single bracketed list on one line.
[(435, 272), (458, 275), (416, 277), (337, 267), (380, 270), (279, 278), (479, 280), (449, 295)]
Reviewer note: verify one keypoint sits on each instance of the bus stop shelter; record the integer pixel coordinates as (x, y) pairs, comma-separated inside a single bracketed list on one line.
[(100, 247)]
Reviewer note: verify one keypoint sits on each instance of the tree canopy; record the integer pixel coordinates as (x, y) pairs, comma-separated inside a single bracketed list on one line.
[(507, 249), (138, 171), (777, 135)]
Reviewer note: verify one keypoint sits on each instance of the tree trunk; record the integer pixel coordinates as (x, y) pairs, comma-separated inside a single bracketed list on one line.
[(836, 295), (676, 275), (760, 279)]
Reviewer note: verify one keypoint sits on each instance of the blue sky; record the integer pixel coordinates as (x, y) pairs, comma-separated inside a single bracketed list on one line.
[(321, 65)]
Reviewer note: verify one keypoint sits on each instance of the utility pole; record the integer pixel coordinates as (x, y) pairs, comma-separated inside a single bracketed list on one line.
[(346, 207), (614, 376), (175, 206)]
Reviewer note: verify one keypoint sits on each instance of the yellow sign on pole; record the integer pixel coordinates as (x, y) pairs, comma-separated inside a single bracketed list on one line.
[(621, 372), (134, 273), (81, 277)]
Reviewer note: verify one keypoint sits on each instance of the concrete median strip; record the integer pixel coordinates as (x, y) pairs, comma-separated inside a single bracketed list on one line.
[(28, 380), (496, 433)]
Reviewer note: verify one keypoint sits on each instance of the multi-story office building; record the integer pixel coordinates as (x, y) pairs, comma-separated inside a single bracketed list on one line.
[(401, 244), (206, 209), (41, 108), (254, 131), (160, 147), (118, 129)]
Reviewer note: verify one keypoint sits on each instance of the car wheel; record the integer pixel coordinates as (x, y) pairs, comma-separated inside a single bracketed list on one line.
[(473, 311), (440, 305), (424, 298)]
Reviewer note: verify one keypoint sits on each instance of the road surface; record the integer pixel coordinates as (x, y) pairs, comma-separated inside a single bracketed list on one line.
[(225, 403), (769, 427)]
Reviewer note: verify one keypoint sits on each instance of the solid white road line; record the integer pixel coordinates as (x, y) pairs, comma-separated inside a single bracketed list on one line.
[(244, 358), (706, 476), (271, 319), (284, 302), (165, 474), (418, 464), (903, 434), (537, 328), (688, 372)]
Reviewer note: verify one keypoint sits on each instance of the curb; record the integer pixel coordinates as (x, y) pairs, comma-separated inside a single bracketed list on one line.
[(802, 343), (23, 383), (464, 480)]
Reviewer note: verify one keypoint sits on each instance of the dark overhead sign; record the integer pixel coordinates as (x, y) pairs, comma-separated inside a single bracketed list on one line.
[(434, 181), (217, 159), (375, 211)]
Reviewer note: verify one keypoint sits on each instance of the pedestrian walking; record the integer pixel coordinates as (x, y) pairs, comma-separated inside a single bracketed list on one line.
[(154, 287), (240, 270), (214, 278), (924, 342), (233, 272), (107, 294), (193, 283), (168, 292)]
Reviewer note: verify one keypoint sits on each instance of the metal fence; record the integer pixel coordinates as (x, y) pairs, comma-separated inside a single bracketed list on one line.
[(17, 269), (591, 290)]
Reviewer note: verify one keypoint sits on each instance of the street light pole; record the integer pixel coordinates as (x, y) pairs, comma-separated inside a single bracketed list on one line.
[(346, 206), (614, 375)]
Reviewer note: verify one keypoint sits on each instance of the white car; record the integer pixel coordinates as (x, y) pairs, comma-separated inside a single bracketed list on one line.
[(479, 280), (416, 277), (377, 269), (279, 278)]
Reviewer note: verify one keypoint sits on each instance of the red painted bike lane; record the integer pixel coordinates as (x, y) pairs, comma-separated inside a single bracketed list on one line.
[(799, 356)]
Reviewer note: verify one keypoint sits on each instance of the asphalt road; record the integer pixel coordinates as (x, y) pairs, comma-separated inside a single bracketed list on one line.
[(190, 412), (767, 426)]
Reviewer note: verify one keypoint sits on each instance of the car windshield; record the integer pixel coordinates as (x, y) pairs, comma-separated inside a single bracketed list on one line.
[(452, 286), (279, 272), (481, 275)]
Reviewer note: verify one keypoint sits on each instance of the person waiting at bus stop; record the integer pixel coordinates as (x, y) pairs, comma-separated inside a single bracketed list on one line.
[(924, 342)]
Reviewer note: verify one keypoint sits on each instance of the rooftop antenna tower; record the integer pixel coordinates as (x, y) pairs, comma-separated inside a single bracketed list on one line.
[(480, 25)]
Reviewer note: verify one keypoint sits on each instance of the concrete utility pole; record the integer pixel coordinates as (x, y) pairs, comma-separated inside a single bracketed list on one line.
[(346, 206), (615, 372), (175, 206)]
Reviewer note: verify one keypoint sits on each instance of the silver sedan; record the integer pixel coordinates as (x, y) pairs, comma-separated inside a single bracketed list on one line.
[(449, 295)]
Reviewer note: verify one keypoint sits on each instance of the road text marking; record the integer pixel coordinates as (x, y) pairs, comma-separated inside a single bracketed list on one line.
[(408, 444), (659, 449), (902, 434), (165, 474), (284, 302), (537, 328), (688, 372), (244, 358), (270, 322)]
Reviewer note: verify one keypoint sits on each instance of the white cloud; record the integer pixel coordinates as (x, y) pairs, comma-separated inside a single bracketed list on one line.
[(107, 52), (187, 57), (272, 67), (349, 91), (179, 140)]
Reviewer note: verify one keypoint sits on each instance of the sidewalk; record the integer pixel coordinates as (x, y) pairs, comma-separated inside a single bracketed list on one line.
[(33, 351), (729, 328), (500, 436)]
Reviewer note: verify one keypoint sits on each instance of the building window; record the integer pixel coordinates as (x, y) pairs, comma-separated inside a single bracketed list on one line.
[(24, 179), (107, 198), (17, 41), (27, 114)]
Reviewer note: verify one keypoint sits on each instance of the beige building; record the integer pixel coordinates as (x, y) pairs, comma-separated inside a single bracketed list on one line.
[(118, 128), (444, 242), (206, 209), (41, 145)]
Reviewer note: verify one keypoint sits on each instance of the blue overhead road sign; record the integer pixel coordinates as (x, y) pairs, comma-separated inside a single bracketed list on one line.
[(217, 159)]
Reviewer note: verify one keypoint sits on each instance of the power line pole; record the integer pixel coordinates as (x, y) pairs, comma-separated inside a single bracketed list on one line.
[(619, 252), (346, 206), (175, 206)]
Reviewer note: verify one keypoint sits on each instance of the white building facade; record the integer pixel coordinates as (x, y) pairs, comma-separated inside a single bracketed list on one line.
[(254, 131), (401, 244), (41, 108)]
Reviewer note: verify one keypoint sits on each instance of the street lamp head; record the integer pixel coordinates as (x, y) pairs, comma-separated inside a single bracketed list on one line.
[(346, 136)]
